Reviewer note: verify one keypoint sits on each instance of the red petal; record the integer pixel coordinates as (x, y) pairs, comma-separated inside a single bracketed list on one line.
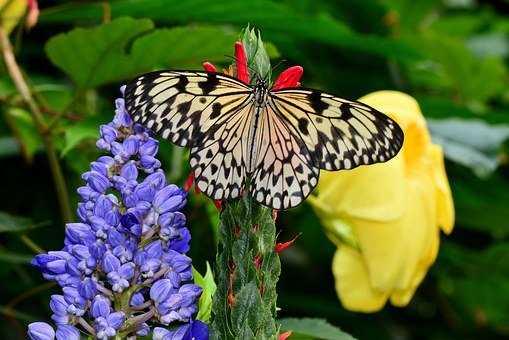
[(289, 78), (241, 61), (218, 204), (285, 335), (33, 13), (257, 262), (189, 182), (284, 245), (209, 67)]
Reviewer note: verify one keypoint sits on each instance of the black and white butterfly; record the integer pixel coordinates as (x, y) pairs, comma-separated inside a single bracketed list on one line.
[(271, 143)]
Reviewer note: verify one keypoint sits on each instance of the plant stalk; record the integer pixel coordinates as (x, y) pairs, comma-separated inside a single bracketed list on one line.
[(247, 271), (22, 87)]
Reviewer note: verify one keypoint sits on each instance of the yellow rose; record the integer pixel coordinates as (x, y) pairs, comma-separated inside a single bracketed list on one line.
[(386, 218)]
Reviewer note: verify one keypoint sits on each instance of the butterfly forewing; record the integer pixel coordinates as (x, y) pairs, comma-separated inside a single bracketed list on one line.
[(183, 106), (339, 133)]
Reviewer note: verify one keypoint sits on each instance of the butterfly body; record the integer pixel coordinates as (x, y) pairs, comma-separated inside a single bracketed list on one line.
[(275, 140)]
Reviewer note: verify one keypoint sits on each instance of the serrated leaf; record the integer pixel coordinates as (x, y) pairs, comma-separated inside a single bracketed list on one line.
[(125, 47), (17, 224), (245, 313), (209, 288), (314, 329), (472, 143)]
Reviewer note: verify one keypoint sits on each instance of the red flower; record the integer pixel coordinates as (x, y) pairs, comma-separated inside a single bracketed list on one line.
[(189, 182), (289, 78), (284, 245), (209, 67), (285, 335), (241, 60), (33, 13)]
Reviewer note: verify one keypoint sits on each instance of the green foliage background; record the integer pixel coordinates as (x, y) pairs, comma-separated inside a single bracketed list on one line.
[(451, 55)]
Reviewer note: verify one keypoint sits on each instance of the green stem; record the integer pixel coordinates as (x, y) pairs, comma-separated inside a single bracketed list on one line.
[(31, 244), (247, 271), (22, 87)]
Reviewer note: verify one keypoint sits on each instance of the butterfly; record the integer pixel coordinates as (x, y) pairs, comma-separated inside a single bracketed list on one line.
[(270, 143)]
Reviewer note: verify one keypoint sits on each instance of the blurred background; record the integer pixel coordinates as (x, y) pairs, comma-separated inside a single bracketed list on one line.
[(450, 55)]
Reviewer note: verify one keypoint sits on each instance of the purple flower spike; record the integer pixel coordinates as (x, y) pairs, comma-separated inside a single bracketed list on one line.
[(128, 247)]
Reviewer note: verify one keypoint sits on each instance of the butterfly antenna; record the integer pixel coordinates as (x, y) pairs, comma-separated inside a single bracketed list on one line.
[(281, 62)]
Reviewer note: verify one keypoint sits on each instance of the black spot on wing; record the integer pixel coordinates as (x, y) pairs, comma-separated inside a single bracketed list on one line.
[(303, 126), (216, 110), (182, 83), (315, 100), (210, 84), (183, 108)]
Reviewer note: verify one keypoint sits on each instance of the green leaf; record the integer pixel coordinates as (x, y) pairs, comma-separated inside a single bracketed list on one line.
[(472, 142), (74, 135), (449, 67), (246, 311), (94, 56), (8, 147), (209, 288), (15, 258), (25, 132), (310, 328), (17, 224), (494, 44), (278, 20), (126, 47)]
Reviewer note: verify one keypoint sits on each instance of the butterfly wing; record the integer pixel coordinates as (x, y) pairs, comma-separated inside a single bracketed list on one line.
[(339, 133), (205, 111), (182, 106), (306, 130), (285, 173), (218, 161)]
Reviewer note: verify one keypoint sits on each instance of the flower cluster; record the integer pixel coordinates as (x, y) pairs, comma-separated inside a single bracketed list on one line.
[(123, 266)]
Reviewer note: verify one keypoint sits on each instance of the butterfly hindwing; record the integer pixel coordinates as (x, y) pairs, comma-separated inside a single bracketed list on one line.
[(339, 133), (285, 174), (218, 162)]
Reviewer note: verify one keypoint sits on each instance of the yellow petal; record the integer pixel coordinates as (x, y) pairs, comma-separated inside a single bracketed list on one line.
[(445, 205), (406, 112), (394, 250), (374, 192), (352, 282)]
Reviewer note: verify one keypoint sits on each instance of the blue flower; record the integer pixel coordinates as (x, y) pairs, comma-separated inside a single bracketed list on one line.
[(195, 330), (40, 331), (128, 245)]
